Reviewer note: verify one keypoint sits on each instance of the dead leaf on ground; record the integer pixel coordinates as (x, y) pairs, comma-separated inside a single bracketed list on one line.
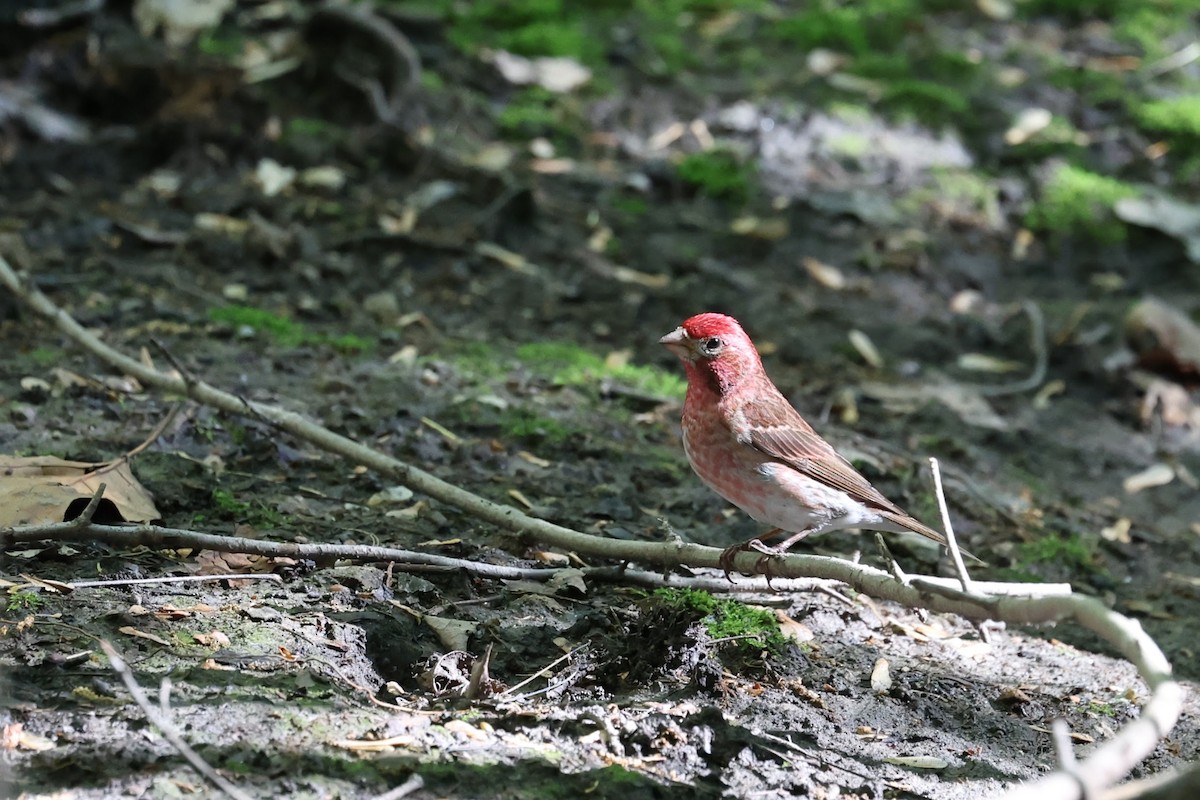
[(1165, 214), (1155, 475), (554, 74), (966, 401), (1163, 338), (38, 490)]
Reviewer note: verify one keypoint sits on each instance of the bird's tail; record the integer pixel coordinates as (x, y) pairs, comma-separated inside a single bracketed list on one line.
[(906, 523)]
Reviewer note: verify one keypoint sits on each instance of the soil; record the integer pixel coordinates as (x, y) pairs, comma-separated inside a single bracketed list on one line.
[(151, 227)]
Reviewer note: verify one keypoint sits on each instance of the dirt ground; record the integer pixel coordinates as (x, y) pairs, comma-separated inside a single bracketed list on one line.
[(488, 307)]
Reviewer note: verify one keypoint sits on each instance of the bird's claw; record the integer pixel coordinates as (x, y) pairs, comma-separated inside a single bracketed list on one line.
[(761, 566)]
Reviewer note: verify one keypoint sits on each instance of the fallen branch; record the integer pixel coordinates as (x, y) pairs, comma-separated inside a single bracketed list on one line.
[(1106, 764), (159, 719)]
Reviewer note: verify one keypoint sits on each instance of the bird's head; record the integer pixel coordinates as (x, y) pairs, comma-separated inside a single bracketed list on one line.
[(714, 349)]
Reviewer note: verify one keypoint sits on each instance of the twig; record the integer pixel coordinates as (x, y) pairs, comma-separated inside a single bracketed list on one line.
[(167, 728), (414, 783), (1060, 733), (543, 671), (1037, 343), (253, 576), (948, 528), (177, 538)]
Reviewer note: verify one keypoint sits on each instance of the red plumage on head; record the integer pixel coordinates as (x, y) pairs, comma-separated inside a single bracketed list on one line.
[(737, 361)]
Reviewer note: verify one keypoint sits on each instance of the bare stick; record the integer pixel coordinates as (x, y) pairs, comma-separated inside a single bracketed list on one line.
[(951, 542), (1037, 343), (510, 691), (167, 728), (414, 783), (177, 538), (252, 576)]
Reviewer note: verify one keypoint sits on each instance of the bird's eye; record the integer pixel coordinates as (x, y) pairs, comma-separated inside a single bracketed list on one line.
[(711, 346)]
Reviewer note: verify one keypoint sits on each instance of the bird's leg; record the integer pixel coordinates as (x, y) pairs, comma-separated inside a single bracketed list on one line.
[(730, 553)]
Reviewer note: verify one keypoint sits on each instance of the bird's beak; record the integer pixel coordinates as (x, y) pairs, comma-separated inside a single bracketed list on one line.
[(678, 342)]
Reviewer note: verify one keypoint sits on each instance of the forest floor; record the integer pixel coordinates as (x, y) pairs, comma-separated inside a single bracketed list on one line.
[(472, 275)]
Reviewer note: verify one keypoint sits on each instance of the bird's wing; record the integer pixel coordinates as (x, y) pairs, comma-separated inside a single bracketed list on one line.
[(793, 441)]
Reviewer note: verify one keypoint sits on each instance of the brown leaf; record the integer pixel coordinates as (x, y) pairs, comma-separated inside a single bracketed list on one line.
[(38, 489)]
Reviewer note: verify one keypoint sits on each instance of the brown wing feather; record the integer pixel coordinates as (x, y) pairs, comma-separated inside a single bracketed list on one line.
[(807, 452)]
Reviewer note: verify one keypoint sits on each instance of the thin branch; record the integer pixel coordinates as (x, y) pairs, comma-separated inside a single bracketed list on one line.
[(948, 527), (414, 783), (161, 538), (165, 726), (253, 576), (1037, 343)]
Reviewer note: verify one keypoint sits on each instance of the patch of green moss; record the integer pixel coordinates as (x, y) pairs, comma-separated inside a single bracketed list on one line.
[(478, 359), (285, 331), (533, 112), (282, 330), (717, 173), (1177, 116), (521, 423), (1149, 26), (629, 205), (927, 100), (571, 365), (1068, 552), (351, 344), (24, 601), (1074, 200), (724, 619), (222, 43), (224, 500), (45, 356)]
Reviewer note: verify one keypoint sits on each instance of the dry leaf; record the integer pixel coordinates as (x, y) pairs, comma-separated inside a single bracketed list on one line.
[(866, 348), (828, 276), (980, 362), (1118, 531), (37, 490), (554, 74), (798, 632), (1164, 338), (1157, 475), (454, 634)]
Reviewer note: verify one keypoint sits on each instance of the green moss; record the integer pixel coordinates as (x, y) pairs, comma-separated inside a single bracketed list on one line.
[(282, 330), (352, 344), (533, 112), (629, 205), (1074, 200), (221, 43), (925, 99), (225, 501), (1068, 552), (717, 173), (521, 423), (571, 365), (744, 627), (24, 601), (45, 356), (1149, 26), (1179, 116)]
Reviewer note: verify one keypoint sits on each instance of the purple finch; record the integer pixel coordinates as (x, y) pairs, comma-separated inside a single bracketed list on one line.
[(747, 443)]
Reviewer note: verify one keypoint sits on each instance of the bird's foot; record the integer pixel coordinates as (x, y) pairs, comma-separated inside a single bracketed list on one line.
[(762, 566)]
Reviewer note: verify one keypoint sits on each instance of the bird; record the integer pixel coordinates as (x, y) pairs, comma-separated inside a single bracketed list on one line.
[(748, 444)]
